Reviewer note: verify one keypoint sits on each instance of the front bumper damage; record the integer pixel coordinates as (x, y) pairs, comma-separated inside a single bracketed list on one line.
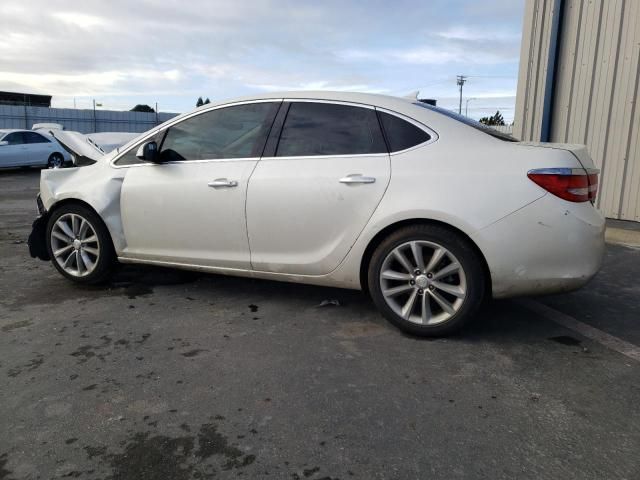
[(37, 238)]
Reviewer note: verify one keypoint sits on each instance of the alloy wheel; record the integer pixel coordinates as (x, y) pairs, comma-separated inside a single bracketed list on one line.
[(423, 282), (56, 161), (75, 245)]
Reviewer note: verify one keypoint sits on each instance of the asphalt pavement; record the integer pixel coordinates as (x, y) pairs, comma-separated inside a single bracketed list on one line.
[(164, 374)]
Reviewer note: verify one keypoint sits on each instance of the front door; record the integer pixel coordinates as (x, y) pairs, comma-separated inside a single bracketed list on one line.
[(190, 207), (307, 204), (15, 153)]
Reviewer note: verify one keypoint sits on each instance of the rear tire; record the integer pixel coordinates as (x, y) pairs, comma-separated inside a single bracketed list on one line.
[(56, 160), (427, 280), (79, 244)]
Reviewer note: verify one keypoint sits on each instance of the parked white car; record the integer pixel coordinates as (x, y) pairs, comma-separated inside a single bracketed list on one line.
[(427, 211), (25, 148)]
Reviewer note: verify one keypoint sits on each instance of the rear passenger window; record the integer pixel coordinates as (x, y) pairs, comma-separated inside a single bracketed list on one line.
[(33, 137), (329, 129), (400, 133)]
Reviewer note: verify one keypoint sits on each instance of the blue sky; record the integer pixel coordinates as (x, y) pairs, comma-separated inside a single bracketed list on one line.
[(171, 51)]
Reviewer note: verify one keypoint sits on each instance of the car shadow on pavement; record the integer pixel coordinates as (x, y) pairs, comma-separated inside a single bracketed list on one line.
[(496, 319)]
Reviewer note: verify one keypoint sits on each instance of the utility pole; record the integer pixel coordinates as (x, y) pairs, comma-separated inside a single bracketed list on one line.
[(460, 79)]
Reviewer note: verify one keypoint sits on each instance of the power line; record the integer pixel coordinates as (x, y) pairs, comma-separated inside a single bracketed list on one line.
[(512, 77)]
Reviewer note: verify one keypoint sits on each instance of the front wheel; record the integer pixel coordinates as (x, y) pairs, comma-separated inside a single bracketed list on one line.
[(79, 244), (427, 280)]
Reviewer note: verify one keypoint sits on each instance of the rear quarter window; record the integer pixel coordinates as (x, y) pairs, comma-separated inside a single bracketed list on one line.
[(469, 122), (400, 133)]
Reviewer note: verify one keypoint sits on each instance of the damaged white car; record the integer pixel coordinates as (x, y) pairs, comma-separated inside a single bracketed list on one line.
[(428, 212)]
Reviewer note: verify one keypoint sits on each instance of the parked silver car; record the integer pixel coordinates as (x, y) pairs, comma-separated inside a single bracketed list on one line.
[(25, 148)]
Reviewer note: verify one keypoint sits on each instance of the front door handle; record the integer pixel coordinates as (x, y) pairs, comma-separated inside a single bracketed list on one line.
[(222, 182), (357, 178)]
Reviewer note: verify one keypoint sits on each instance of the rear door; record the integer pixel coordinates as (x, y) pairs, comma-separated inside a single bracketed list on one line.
[(38, 147), (311, 196)]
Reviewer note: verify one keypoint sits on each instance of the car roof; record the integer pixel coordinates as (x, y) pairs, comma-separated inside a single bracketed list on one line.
[(6, 131), (402, 105), (410, 107), (384, 101)]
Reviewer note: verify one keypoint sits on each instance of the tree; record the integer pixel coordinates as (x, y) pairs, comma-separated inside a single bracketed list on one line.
[(143, 108), (199, 103), (207, 101), (494, 120)]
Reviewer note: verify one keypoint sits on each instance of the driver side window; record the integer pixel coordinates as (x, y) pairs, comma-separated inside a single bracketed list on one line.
[(229, 132)]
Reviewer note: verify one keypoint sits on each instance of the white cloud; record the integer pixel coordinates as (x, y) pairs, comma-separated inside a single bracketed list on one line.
[(81, 20), (223, 48), (463, 33), (319, 85)]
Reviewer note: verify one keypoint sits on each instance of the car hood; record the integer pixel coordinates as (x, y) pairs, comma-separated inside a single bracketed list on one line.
[(87, 149)]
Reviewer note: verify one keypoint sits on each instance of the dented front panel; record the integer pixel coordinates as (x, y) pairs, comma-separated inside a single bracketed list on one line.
[(98, 185)]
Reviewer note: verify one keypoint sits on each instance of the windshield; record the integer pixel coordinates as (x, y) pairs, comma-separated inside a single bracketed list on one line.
[(468, 121)]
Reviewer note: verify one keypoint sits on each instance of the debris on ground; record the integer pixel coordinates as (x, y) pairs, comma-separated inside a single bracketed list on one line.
[(326, 303)]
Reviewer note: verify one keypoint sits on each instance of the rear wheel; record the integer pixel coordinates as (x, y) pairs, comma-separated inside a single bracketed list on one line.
[(56, 160), (79, 244), (427, 280)]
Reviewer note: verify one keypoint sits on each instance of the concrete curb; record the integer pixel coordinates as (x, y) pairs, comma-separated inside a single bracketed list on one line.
[(619, 236)]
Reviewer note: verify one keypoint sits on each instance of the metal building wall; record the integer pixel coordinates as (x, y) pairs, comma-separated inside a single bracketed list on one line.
[(594, 92), (81, 120)]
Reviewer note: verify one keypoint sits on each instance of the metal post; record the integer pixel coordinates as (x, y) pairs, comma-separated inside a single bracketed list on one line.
[(95, 130), (26, 121), (466, 108), (550, 80), (156, 113), (460, 79)]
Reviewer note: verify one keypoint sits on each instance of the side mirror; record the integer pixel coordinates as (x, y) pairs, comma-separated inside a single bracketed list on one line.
[(3, 142), (148, 151)]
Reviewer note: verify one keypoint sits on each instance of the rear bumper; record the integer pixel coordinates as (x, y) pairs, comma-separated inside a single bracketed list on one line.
[(549, 246)]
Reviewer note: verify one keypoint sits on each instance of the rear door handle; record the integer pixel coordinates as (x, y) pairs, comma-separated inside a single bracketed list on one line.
[(222, 182), (357, 178)]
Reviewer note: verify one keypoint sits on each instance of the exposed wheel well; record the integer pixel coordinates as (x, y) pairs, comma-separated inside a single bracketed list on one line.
[(385, 232), (68, 201)]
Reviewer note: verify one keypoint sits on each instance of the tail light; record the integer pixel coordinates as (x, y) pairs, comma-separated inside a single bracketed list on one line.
[(572, 184)]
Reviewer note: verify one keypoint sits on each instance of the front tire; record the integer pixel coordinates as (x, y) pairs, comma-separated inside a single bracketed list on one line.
[(79, 244), (427, 280)]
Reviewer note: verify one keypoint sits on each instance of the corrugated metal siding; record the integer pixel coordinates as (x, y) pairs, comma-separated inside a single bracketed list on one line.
[(80, 120), (595, 90), (534, 52)]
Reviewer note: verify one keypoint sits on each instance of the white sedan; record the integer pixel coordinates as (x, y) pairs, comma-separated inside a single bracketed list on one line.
[(428, 212), (25, 148)]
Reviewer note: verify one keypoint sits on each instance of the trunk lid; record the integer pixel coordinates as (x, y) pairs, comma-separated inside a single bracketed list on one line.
[(579, 151)]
